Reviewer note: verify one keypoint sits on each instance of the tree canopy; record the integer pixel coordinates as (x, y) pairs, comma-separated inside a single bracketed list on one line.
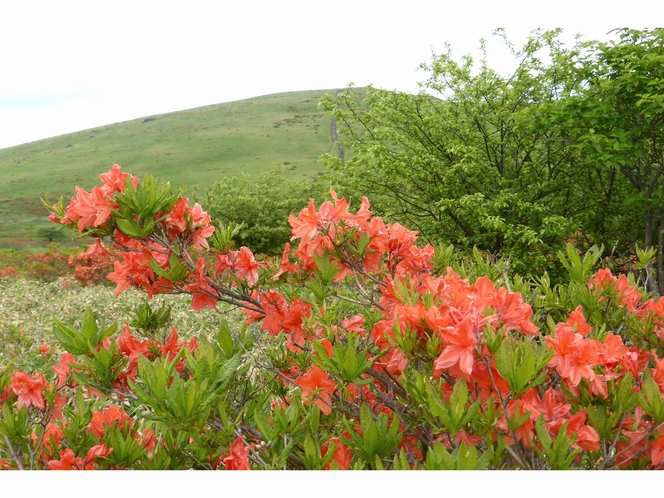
[(564, 148), (261, 206)]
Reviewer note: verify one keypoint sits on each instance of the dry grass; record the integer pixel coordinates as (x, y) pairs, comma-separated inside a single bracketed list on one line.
[(28, 307)]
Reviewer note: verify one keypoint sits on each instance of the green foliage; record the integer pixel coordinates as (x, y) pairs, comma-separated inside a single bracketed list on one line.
[(579, 269), (465, 161), (259, 207), (50, 234), (558, 453), (222, 238), (614, 123), (85, 340), (345, 361), (175, 272), (464, 457), (651, 400), (455, 414), (149, 320), (149, 198), (520, 364), (375, 440), (180, 403), (520, 164)]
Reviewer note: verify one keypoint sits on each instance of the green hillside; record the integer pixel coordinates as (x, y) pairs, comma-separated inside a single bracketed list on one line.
[(196, 148)]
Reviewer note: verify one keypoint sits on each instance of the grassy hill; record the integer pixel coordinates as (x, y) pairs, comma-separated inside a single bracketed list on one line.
[(196, 148)]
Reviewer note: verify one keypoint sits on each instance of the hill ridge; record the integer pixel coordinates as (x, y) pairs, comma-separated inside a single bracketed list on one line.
[(195, 147)]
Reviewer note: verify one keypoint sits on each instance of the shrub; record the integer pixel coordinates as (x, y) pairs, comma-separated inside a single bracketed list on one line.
[(355, 353), (262, 205), (90, 266)]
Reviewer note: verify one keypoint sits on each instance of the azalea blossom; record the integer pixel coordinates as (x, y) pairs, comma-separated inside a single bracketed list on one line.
[(342, 455), (29, 389), (238, 455), (90, 209), (111, 416), (574, 356), (115, 179), (201, 291), (245, 266), (460, 342), (63, 369), (316, 385), (67, 461)]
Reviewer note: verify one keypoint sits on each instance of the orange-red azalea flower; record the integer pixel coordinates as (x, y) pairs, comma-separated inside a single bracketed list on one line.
[(238, 455), (30, 390), (316, 385)]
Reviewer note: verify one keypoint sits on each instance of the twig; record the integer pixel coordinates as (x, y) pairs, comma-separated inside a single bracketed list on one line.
[(13, 454), (634, 443), (385, 381), (613, 445), (518, 457)]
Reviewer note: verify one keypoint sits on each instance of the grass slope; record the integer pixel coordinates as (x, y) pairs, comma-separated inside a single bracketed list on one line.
[(195, 148)]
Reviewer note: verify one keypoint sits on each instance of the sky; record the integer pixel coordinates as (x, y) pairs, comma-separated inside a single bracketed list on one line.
[(67, 66)]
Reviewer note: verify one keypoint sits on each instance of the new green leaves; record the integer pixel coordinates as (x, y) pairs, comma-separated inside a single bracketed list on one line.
[(580, 269), (138, 207), (85, 340), (520, 363), (377, 440), (455, 414)]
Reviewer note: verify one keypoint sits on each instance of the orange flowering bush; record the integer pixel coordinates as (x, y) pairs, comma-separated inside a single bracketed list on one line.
[(359, 350), (87, 267), (47, 265), (93, 265)]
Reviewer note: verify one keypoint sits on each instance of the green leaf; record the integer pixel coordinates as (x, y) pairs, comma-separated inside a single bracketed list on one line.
[(363, 242), (625, 398), (129, 228), (525, 369), (543, 435), (350, 362), (370, 441), (650, 399), (312, 453), (493, 339), (90, 327), (366, 420), (327, 269), (69, 338), (314, 419), (466, 457), (225, 339), (263, 425), (459, 399)]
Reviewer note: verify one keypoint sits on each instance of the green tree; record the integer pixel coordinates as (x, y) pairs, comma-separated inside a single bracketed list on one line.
[(467, 161), (262, 205), (616, 121), (50, 234)]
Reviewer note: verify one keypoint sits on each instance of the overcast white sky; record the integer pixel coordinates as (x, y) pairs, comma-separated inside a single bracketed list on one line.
[(67, 66)]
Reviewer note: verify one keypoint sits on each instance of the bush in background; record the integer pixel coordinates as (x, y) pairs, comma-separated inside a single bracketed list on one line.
[(262, 205), (87, 267)]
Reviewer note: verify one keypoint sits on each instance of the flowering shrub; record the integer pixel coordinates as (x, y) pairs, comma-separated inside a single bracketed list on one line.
[(8, 271), (47, 265), (355, 354), (92, 266), (88, 267)]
